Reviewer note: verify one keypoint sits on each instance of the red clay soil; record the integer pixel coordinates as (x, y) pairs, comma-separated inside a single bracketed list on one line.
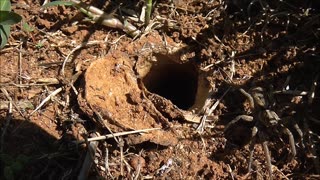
[(196, 56)]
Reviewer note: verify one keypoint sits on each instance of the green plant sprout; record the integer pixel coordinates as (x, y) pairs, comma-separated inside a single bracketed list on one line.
[(39, 45), (26, 27), (7, 18)]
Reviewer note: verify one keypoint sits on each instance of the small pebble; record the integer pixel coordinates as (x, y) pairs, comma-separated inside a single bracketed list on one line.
[(137, 161)]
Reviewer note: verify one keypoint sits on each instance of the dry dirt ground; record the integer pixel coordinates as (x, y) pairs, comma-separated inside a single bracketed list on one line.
[(182, 78)]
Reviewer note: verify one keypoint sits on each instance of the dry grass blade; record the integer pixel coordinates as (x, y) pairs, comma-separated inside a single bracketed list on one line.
[(108, 136), (84, 44), (37, 82), (209, 111), (106, 160), (312, 147), (5, 92), (20, 64), (88, 161), (23, 104), (230, 171), (292, 92), (54, 93), (312, 90), (47, 81), (121, 144)]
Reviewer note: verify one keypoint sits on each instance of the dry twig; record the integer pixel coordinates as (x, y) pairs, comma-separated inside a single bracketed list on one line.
[(108, 136), (88, 161), (312, 90), (84, 44), (54, 93), (209, 111), (5, 92)]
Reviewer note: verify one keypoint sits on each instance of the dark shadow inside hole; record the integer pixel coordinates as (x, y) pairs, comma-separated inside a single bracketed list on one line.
[(176, 82)]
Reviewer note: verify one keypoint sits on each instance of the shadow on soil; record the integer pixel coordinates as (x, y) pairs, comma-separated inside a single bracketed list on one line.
[(29, 152)]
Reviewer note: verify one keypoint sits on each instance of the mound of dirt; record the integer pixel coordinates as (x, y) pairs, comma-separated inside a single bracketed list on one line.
[(113, 93), (148, 93)]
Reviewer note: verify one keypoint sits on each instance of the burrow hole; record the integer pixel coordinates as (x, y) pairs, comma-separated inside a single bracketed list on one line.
[(173, 81)]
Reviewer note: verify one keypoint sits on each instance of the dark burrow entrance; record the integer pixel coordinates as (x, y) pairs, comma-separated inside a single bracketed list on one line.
[(174, 81)]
